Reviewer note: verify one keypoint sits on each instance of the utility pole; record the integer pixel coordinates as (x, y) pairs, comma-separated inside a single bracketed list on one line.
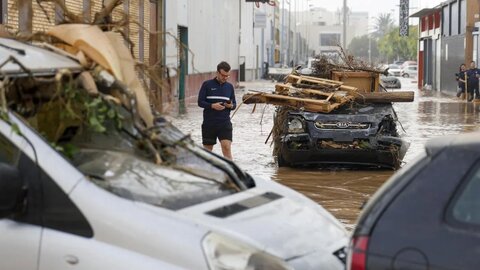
[(344, 43), (282, 37)]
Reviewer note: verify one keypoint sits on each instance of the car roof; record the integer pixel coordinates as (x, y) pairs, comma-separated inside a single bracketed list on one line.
[(465, 141), (36, 60)]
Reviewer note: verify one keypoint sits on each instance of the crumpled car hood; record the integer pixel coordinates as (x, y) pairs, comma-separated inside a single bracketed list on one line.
[(284, 226)]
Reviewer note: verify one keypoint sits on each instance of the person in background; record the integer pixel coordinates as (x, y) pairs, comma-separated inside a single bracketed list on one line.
[(217, 98), (472, 82), (460, 77)]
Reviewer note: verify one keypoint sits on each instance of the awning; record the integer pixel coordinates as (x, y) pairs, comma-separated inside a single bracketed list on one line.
[(425, 11)]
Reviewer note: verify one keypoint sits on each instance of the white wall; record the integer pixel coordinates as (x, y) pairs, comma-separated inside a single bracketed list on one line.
[(247, 38), (213, 32)]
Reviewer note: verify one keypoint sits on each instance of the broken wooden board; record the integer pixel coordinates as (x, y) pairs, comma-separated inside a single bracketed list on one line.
[(319, 81), (385, 97), (362, 80), (311, 105), (288, 90)]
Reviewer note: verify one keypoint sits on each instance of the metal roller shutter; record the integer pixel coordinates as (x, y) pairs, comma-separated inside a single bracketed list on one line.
[(12, 18), (42, 21)]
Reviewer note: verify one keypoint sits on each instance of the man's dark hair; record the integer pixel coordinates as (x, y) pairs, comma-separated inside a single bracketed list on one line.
[(224, 66)]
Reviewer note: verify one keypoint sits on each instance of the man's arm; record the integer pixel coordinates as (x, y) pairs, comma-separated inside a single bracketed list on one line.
[(202, 98)]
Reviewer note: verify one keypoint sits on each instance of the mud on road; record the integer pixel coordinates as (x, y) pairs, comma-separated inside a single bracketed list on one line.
[(340, 191)]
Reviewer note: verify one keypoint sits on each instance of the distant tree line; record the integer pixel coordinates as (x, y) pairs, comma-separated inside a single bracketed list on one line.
[(385, 43)]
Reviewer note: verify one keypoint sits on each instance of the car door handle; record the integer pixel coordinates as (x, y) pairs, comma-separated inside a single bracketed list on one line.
[(70, 259)]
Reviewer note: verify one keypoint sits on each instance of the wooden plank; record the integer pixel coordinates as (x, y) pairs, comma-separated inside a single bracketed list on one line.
[(329, 97), (385, 97), (314, 79)]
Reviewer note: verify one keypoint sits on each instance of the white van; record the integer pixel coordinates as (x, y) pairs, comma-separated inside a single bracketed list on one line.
[(106, 205)]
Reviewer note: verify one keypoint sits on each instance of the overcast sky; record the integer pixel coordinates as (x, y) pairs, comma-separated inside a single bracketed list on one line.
[(374, 7)]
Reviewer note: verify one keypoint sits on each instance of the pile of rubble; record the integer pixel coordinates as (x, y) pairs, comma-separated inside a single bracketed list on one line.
[(321, 95)]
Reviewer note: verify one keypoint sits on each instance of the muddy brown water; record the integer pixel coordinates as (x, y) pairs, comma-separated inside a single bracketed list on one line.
[(340, 191)]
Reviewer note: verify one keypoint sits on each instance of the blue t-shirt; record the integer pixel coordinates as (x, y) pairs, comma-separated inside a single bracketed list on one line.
[(472, 77), (212, 92)]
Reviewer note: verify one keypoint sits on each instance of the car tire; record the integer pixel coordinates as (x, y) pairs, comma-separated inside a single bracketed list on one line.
[(405, 75)]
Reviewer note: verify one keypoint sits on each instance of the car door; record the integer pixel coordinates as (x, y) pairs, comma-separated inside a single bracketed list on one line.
[(19, 241), (413, 232)]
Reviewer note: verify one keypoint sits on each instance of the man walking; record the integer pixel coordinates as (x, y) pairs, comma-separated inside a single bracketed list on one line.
[(472, 82), (217, 98)]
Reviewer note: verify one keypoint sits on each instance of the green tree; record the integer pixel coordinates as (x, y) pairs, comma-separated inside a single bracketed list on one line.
[(359, 46), (393, 47), (383, 24)]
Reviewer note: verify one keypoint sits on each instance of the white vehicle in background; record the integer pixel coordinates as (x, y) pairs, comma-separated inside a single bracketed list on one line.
[(394, 70), (108, 206), (279, 72), (409, 71), (308, 69)]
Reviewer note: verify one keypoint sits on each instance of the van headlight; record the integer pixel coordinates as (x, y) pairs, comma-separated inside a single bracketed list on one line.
[(224, 253), (296, 125)]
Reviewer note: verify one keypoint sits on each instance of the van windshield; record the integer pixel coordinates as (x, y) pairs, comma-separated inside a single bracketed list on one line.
[(115, 161), (141, 180)]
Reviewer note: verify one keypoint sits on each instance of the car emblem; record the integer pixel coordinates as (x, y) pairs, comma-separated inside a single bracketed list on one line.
[(342, 124)]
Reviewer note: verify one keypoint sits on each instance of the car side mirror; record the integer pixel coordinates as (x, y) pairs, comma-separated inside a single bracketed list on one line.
[(12, 191)]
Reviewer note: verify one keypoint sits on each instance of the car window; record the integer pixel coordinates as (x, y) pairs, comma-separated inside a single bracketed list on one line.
[(466, 207), (9, 153), (47, 204)]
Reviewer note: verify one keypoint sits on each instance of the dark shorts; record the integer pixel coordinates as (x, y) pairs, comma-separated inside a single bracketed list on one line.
[(210, 133)]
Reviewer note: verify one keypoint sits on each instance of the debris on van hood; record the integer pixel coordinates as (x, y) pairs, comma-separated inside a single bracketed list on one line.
[(321, 95), (108, 50), (80, 88)]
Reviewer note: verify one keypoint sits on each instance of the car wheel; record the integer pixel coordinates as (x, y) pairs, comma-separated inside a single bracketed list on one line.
[(405, 75)]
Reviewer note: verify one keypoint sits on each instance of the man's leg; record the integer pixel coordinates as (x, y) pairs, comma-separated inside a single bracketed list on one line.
[(225, 138), (227, 148), (209, 147), (209, 137)]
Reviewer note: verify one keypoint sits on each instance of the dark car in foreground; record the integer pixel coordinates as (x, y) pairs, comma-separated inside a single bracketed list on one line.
[(354, 135), (390, 82), (427, 216)]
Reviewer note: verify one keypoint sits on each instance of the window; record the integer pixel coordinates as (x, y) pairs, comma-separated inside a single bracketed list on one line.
[(47, 204), (466, 206), (454, 23), (463, 17), (446, 21), (9, 153)]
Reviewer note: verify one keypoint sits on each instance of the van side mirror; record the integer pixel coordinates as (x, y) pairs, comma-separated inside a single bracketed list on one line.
[(12, 191)]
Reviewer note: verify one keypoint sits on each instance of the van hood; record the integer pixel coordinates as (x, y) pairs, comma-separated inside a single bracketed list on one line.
[(279, 222)]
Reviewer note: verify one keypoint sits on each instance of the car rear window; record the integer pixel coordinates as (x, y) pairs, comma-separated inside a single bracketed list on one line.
[(466, 208)]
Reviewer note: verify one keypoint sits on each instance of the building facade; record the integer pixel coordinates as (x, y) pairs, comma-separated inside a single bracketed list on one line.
[(448, 37)]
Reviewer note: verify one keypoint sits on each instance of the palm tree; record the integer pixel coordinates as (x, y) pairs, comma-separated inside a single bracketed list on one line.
[(383, 24)]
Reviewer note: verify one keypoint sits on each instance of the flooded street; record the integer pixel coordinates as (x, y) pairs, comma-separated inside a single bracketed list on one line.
[(340, 191)]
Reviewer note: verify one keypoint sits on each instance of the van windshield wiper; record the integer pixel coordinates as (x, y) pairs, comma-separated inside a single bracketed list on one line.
[(19, 51)]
